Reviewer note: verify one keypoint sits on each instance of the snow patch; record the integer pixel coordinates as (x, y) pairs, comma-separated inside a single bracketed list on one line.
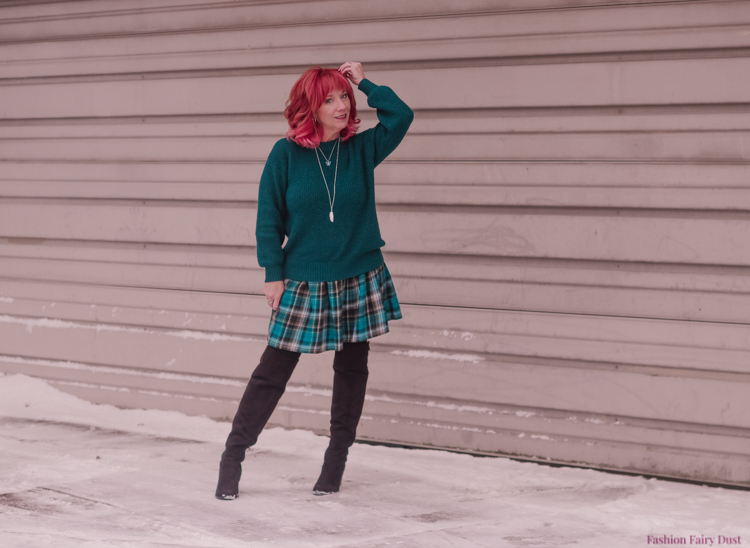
[(453, 427), (591, 420), (6, 299), (26, 397), (89, 385), (123, 371), (308, 391), (439, 355), (446, 406), (51, 323), (302, 410), (179, 396), (465, 335)]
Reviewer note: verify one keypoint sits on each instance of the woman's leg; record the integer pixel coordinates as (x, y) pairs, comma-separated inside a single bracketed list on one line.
[(349, 384), (266, 386)]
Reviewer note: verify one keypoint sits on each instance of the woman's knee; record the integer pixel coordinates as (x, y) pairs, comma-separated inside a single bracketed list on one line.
[(352, 357)]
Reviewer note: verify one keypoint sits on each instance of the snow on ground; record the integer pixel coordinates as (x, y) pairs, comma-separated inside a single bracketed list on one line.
[(81, 475)]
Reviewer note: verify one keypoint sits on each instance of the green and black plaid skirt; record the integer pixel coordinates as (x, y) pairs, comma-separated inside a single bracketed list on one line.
[(317, 316)]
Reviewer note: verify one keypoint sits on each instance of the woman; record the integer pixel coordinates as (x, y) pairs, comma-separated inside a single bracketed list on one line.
[(328, 287)]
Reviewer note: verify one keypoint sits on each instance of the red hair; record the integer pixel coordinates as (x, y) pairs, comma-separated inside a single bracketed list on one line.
[(306, 97)]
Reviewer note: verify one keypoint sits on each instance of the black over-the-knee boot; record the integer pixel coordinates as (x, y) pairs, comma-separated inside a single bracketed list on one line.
[(266, 386), (349, 384)]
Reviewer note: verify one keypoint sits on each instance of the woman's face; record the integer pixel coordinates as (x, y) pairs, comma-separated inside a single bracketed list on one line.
[(333, 114)]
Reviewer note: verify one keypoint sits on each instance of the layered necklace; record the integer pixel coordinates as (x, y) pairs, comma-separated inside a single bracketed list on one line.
[(337, 146)]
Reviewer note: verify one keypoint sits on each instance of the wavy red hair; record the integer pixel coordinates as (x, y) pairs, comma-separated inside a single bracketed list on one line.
[(306, 97)]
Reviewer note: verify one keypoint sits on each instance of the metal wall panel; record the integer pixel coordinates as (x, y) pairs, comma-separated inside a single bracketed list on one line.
[(567, 221)]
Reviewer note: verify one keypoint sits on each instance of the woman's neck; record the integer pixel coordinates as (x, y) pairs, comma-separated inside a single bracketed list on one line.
[(329, 138)]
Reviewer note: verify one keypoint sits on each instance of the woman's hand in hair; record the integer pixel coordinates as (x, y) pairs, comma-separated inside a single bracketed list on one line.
[(273, 292), (353, 71)]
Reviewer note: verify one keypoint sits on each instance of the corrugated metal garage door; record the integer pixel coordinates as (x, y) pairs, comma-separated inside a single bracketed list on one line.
[(566, 222)]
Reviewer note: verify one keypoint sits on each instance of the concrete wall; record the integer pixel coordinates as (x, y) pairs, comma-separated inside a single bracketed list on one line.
[(566, 221)]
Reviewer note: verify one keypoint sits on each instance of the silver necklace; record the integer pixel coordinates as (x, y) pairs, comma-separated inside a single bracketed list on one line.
[(328, 160), (330, 215)]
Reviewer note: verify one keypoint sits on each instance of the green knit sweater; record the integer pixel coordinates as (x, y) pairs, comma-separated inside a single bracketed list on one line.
[(293, 201)]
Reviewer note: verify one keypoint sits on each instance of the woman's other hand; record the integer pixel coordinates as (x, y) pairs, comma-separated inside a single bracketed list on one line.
[(353, 71), (273, 292)]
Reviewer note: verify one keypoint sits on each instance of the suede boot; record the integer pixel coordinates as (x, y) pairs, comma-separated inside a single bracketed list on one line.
[(349, 384), (266, 386)]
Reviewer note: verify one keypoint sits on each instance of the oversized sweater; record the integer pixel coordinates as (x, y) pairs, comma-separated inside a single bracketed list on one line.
[(293, 201)]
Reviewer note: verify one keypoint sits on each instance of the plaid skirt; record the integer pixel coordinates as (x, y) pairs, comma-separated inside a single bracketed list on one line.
[(317, 316)]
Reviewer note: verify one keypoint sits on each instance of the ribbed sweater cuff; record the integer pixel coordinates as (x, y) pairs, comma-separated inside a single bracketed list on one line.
[(366, 86), (274, 273)]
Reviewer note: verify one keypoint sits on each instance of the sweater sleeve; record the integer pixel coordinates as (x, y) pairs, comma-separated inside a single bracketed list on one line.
[(394, 118), (269, 225)]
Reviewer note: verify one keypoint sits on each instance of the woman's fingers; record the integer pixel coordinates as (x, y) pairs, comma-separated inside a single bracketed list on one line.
[(273, 292), (273, 301), (353, 71)]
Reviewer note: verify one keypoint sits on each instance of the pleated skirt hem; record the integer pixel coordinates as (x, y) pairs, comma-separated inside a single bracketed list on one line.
[(315, 317)]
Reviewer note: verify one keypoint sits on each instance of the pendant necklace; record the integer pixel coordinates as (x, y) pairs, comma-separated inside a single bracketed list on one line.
[(328, 160), (338, 144)]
